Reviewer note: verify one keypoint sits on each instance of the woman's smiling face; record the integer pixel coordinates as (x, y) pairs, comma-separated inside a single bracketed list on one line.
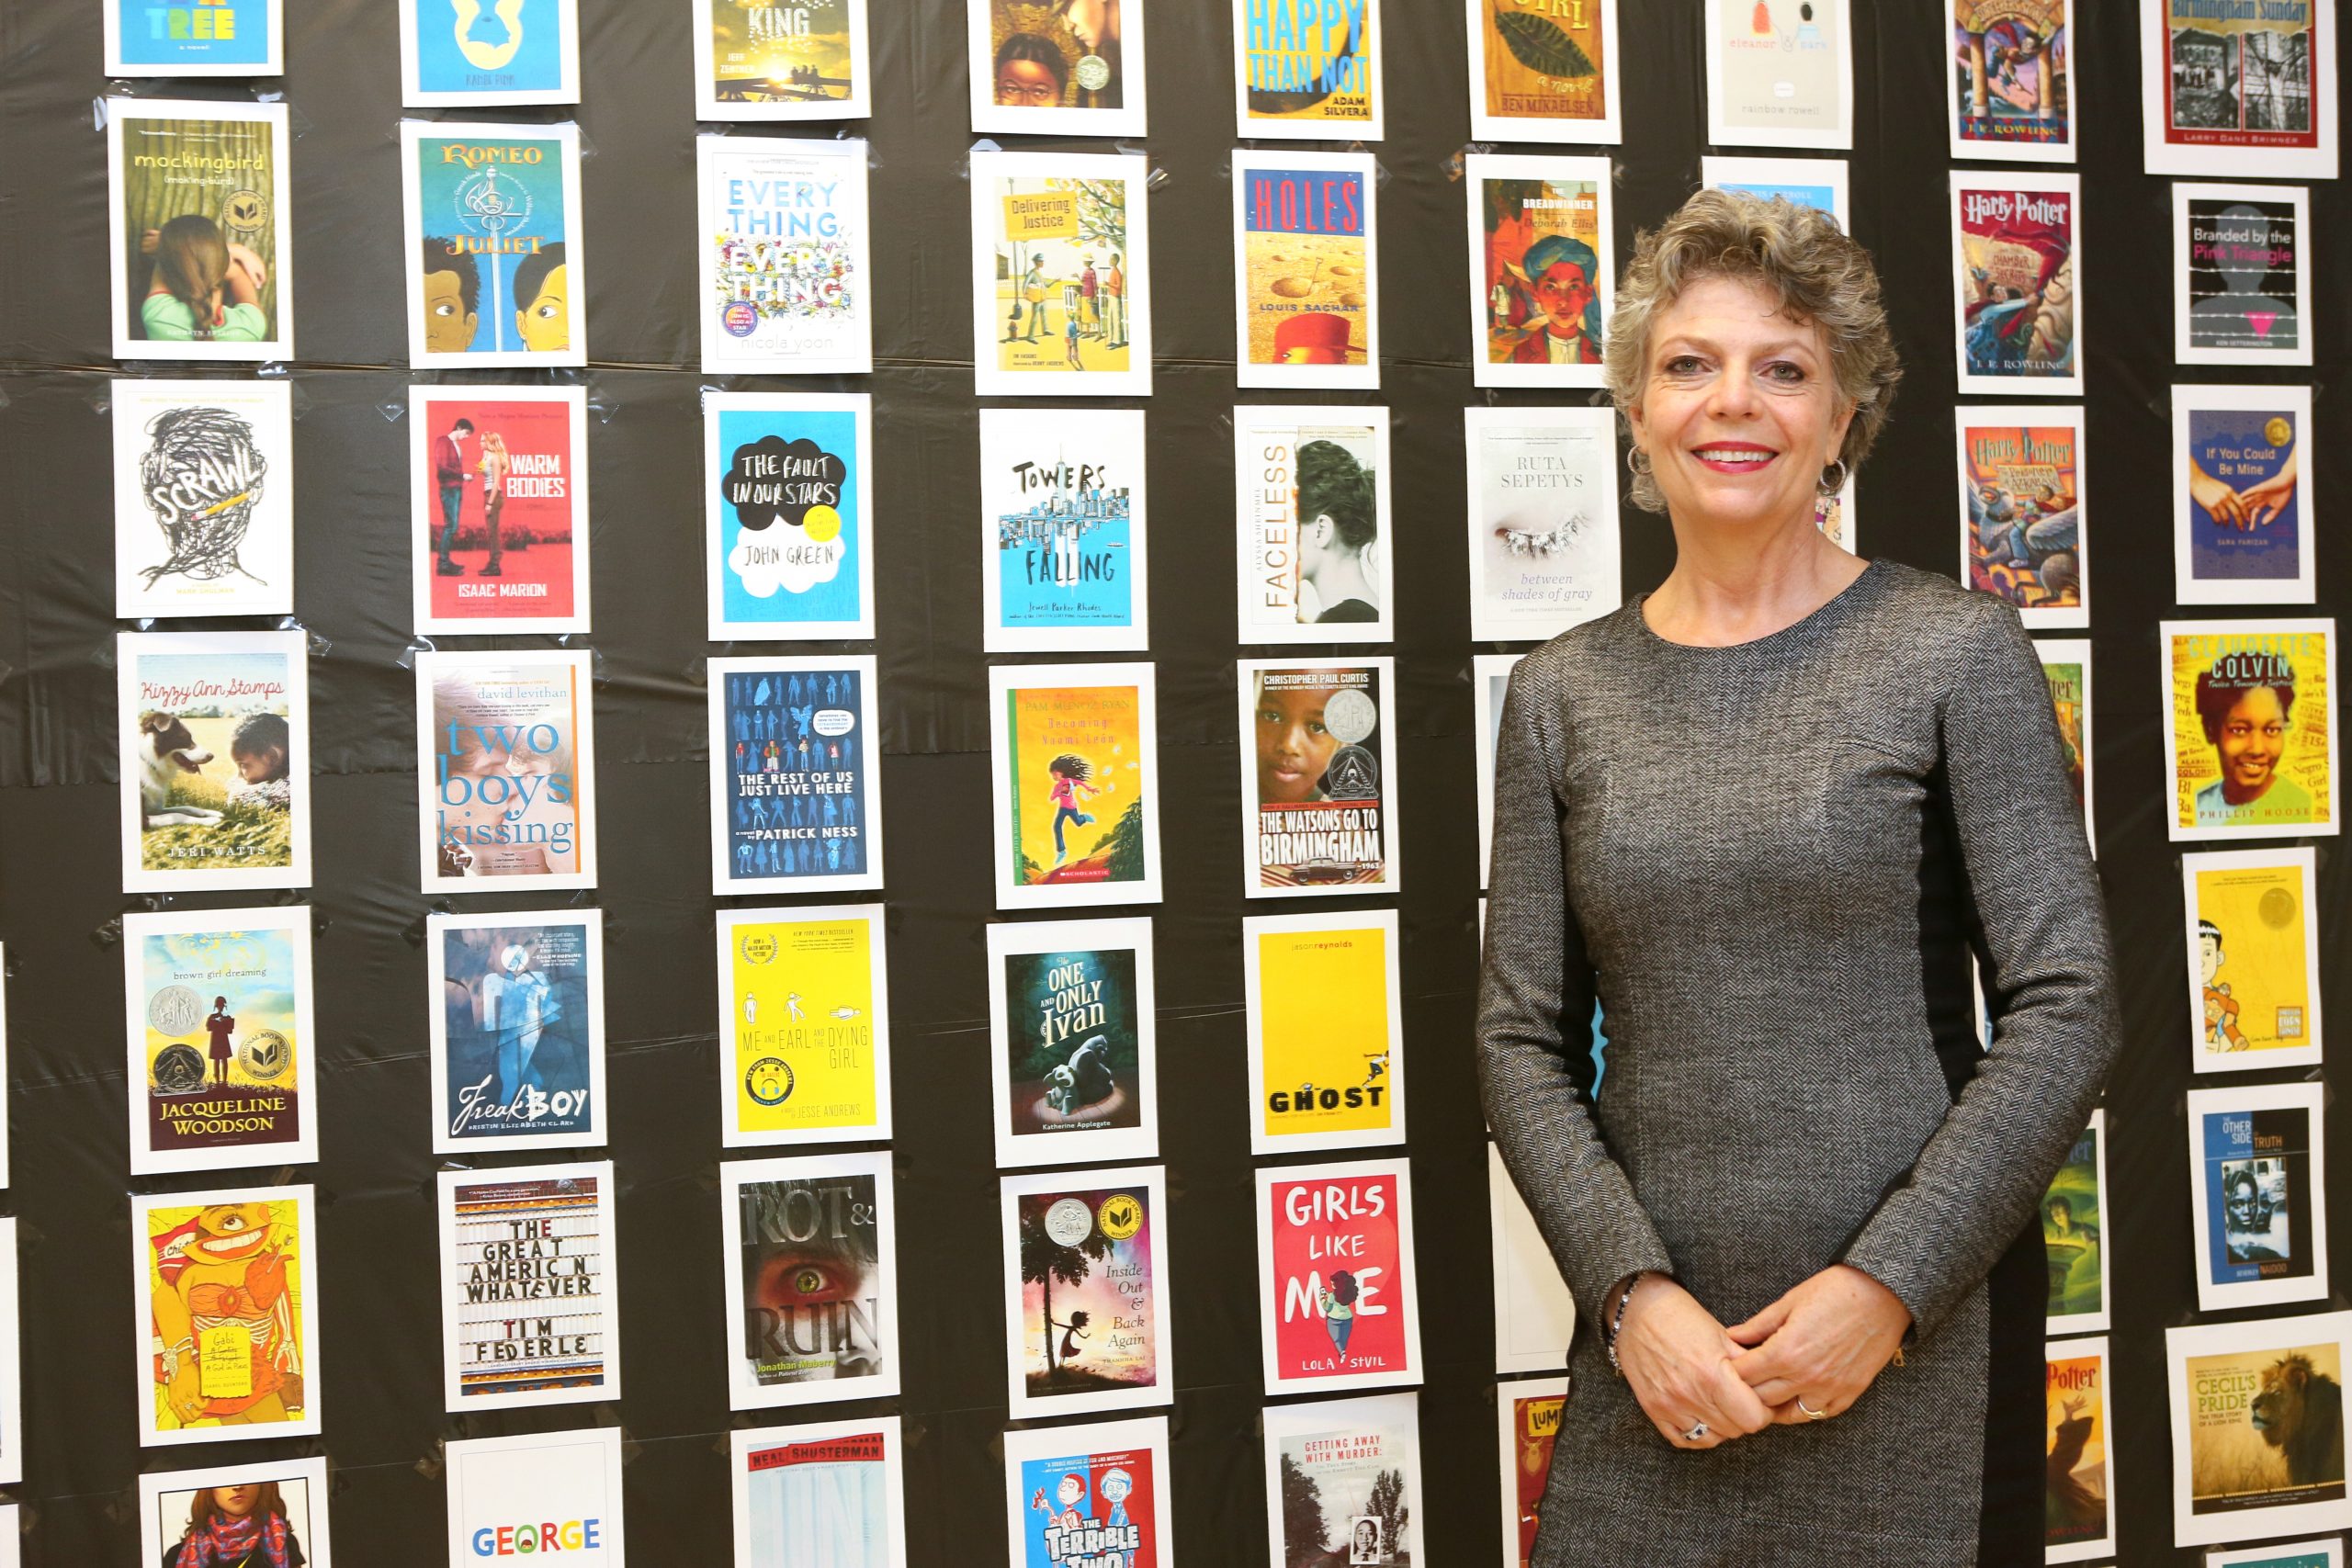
[(1738, 410)]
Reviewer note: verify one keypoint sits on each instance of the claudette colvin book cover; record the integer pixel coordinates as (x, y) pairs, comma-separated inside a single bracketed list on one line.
[(2250, 722), (506, 753), (496, 269), (529, 1311), (812, 1270)]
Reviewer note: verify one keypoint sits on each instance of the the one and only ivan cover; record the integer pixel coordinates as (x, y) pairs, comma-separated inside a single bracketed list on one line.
[(223, 1058), (1089, 1495), (530, 1313), (203, 497), (1074, 1036), (787, 270), (1335, 1280), (1308, 68), (1343, 1483), (804, 1025), (788, 502), (518, 1028), (506, 757), (1062, 538), (231, 1306), (197, 217), (829, 1493), (811, 1279), (796, 804), (496, 268), (1085, 1291), (498, 509), (1307, 299)]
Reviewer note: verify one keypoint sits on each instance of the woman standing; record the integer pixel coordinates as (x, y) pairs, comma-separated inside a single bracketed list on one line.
[(1760, 817), (495, 464)]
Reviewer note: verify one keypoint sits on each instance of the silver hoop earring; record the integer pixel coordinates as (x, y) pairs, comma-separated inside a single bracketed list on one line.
[(1638, 461), (1828, 486)]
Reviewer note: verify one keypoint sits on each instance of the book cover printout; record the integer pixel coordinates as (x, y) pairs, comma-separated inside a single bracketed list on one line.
[(1818, 182), (787, 267), (2066, 666), (542, 1492), (195, 37), (529, 1309), (216, 759), (1306, 302), (1536, 1317), (2259, 1170), (1085, 1291), (1544, 542), (505, 762), (1308, 68), (1088, 1495), (2241, 279), (232, 1313), (1075, 785), (1318, 781), (1541, 255), (2017, 245), (2078, 1513), (499, 509), (1343, 1483), (2254, 1427), (1312, 524), (1780, 73), (2012, 79), (788, 502), (796, 804), (197, 217), (461, 53), (1062, 531), (284, 1503), (1489, 685), (2250, 725), (781, 60), (2252, 928), (1527, 1413), (2073, 1235), (203, 497), (1071, 1020), (829, 1492), (1326, 1031), (2023, 515), (496, 271), (811, 1279), (1336, 1279), (1543, 70), (518, 1028), (2243, 504), (804, 1025), (1061, 278), (223, 1063), (2233, 88), (1057, 68)]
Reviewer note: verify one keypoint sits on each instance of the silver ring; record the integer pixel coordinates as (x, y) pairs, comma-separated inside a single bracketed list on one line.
[(1809, 1412), (1695, 1433)]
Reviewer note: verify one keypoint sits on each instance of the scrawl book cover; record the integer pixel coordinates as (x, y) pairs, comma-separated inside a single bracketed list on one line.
[(203, 497)]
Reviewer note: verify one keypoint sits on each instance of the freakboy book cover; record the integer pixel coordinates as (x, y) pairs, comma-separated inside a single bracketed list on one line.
[(498, 509), (811, 1279), (787, 276), (505, 757), (230, 1306), (197, 214), (796, 804), (203, 497), (1086, 1282), (529, 1314), (1336, 1280), (518, 1028), (1073, 1033), (496, 270), (804, 1025)]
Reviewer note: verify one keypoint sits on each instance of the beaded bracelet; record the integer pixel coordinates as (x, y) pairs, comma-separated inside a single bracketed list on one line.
[(1617, 1321)]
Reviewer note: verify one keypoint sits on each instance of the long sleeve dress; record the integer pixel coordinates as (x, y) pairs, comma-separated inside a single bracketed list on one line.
[(1769, 864)]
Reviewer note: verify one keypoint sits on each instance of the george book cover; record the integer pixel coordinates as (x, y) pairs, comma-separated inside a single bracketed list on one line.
[(264, 1506), (1061, 279), (222, 1052), (215, 731), (2079, 1512), (1057, 67), (796, 804), (781, 60), (1543, 256), (2242, 274), (1336, 1280), (2012, 80), (1062, 538), (197, 220), (1087, 1496), (1075, 788), (832, 1492), (231, 1314), (1073, 1037), (2024, 520), (529, 1310), (1529, 1412), (198, 38), (1818, 182), (1318, 781), (1085, 1291), (1308, 70), (1326, 1031), (1780, 73), (2252, 929), (787, 274), (1536, 1317), (2066, 666), (496, 269), (2250, 725), (2228, 89), (505, 751), (1343, 1483), (2256, 1427), (2017, 243), (1543, 70), (2074, 1210), (203, 497), (538, 1492), (787, 503), (811, 1279), (2260, 1206), (2241, 503), (1306, 302), (498, 509), (518, 1030), (805, 1025), (464, 54), (1544, 541), (1312, 524)]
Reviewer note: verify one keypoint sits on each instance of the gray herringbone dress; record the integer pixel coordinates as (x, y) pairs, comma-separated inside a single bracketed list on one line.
[(1768, 863)]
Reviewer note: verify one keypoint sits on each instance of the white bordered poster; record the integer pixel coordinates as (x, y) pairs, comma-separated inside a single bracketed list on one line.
[(1312, 524), (1544, 545), (1056, 70), (2250, 730), (1075, 785), (1336, 1283), (192, 185), (785, 248), (453, 55), (1073, 1033), (1072, 1488), (1062, 535), (495, 244), (177, 1506), (2258, 1194), (203, 497), (1307, 300), (1326, 1025), (1086, 1292), (498, 509), (2239, 89), (2066, 666), (2074, 1236), (530, 1302), (2009, 82), (506, 756), (1818, 182), (1061, 275), (1543, 75), (2245, 502), (228, 1341), (1536, 1317), (1527, 1413), (1319, 807), (2017, 281), (1490, 684), (795, 800), (2252, 923), (812, 1280), (804, 1025), (2024, 510), (558, 1491), (1543, 266), (1779, 75), (1358, 1462), (2078, 1513), (782, 60), (834, 1488), (518, 1025), (788, 506), (2251, 1448), (2243, 257)]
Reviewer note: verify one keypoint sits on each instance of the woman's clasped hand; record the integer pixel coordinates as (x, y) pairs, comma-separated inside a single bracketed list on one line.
[(1807, 1357)]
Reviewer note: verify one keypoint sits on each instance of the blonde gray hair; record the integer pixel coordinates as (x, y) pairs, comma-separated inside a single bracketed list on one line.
[(1797, 255)]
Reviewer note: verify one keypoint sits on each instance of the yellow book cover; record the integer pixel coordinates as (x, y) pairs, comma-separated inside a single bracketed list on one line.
[(2253, 947), (1308, 64), (226, 1296), (804, 1019), (2075, 1517), (1544, 59), (2251, 727), (1323, 1031), (2259, 1425)]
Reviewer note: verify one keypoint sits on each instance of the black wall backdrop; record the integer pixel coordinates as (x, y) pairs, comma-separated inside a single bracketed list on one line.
[(59, 865)]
